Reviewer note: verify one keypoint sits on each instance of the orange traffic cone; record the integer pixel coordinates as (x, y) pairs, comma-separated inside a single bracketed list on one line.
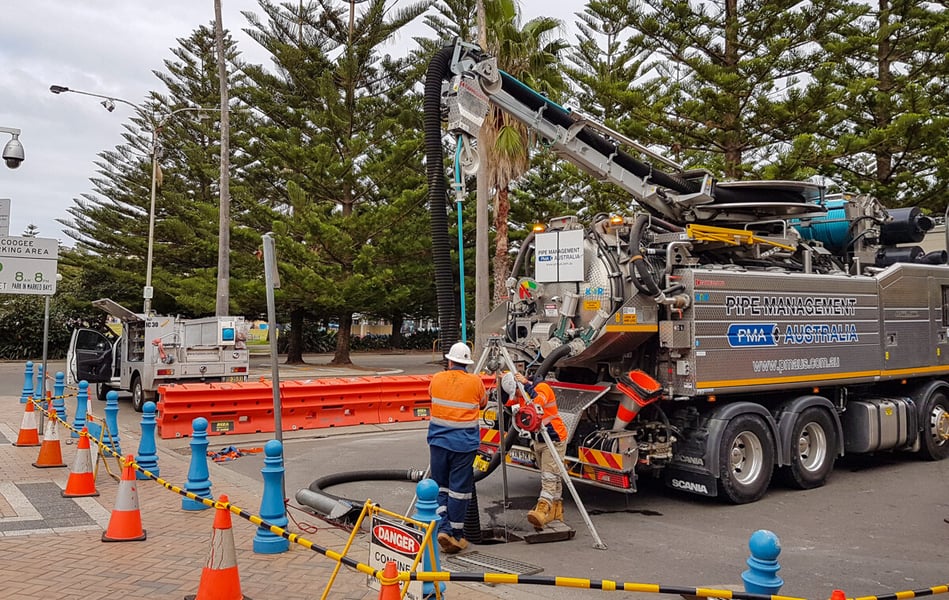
[(390, 583), (838, 595), (51, 453), (125, 524), (82, 481), (29, 434), (220, 580)]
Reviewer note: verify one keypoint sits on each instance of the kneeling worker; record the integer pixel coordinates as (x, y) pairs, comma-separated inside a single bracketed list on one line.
[(550, 502)]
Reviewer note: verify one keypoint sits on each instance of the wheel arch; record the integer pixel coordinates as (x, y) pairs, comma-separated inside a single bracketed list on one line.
[(787, 415), (717, 422), (920, 394)]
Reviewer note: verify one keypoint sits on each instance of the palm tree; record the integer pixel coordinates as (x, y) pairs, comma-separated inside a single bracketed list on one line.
[(531, 54)]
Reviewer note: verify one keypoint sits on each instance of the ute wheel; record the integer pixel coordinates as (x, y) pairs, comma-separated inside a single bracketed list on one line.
[(101, 391), (139, 395), (813, 450), (746, 459), (935, 426)]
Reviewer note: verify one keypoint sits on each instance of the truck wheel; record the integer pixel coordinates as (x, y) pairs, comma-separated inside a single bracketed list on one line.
[(935, 427), (101, 391), (813, 450), (139, 395), (746, 459)]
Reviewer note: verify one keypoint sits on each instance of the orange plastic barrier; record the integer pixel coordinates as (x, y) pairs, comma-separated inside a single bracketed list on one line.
[(311, 404)]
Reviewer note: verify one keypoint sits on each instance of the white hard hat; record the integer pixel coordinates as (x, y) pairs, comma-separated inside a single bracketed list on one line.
[(460, 354), (509, 384)]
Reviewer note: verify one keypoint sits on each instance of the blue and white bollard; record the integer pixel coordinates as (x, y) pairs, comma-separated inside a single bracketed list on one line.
[(272, 507), (199, 478), (761, 576), (147, 456), (27, 391), (39, 390), (82, 406), (112, 422), (59, 391), (427, 493)]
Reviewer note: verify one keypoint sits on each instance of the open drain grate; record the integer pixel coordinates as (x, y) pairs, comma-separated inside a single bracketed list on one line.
[(477, 562)]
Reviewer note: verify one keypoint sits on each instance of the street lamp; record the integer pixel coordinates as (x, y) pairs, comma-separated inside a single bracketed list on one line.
[(108, 103), (13, 151)]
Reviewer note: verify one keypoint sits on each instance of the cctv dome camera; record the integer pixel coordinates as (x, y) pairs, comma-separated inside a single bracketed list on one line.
[(13, 153)]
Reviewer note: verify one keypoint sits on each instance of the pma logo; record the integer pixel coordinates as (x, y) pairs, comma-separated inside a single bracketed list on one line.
[(743, 335), (545, 258)]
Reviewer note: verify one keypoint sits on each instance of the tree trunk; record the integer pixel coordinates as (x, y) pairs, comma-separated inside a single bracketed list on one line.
[(295, 340), (502, 262), (342, 341), (395, 340)]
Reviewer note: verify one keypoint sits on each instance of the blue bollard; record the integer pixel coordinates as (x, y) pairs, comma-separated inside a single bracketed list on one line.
[(59, 391), (761, 576), (112, 422), (427, 493), (39, 390), (199, 478), (147, 456), (272, 508), (82, 406), (27, 392)]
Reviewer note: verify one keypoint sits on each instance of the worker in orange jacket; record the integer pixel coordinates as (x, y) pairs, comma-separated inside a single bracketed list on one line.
[(454, 435), (550, 502)]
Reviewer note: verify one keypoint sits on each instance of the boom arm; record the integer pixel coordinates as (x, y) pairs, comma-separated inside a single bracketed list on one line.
[(677, 195)]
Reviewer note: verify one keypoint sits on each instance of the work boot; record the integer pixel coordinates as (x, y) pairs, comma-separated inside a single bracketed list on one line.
[(557, 510), (541, 515), (451, 545)]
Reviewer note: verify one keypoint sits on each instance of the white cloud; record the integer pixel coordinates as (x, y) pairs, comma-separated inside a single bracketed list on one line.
[(108, 47)]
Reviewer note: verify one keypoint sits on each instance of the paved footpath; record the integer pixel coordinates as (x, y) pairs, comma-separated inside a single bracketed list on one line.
[(51, 548)]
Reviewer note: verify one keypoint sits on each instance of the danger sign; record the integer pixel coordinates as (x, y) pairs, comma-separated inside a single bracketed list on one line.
[(398, 542)]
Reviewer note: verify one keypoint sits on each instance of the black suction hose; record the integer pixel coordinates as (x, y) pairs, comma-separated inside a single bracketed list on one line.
[(647, 284), (438, 71)]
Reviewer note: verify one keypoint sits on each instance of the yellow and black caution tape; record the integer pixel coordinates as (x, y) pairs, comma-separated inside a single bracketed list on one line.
[(497, 578)]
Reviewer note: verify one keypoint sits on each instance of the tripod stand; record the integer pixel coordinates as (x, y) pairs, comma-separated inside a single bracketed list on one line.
[(496, 358)]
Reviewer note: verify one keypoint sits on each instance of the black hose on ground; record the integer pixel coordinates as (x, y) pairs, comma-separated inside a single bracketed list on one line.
[(345, 509), (438, 71)]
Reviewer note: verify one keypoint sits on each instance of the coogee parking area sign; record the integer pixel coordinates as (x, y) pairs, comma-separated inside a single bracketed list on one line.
[(28, 265)]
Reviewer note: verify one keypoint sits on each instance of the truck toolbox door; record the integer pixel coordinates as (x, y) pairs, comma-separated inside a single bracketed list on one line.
[(90, 356)]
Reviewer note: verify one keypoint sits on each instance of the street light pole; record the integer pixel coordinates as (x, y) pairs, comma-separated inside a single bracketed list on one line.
[(109, 104)]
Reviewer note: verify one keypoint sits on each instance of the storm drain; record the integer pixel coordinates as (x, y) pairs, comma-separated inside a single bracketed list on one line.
[(477, 562)]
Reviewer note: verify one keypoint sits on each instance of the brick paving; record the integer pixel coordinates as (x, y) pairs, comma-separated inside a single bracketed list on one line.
[(51, 546)]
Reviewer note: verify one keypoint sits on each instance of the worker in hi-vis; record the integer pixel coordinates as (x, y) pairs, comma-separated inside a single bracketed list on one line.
[(550, 502), (453, 440)]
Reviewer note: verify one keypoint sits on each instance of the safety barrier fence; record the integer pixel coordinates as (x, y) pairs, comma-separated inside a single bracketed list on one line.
[(247, 407), (467, 577)]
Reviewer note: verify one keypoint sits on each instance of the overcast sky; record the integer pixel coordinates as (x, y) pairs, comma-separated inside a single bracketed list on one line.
[(108, 47)]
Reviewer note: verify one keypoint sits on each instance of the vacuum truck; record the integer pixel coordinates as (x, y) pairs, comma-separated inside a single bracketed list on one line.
[(718, 334)]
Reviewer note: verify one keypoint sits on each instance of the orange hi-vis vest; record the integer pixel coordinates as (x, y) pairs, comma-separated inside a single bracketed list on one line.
[(547, 400), (456, 399)]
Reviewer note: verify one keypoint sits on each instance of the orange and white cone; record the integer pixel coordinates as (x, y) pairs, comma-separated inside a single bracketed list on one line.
[(82, 481), (219, 579), (389, 583), (51, 452), (29, 435), (125, 524)]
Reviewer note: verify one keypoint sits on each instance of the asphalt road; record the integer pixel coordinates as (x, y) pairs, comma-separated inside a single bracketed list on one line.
[(875, 528)]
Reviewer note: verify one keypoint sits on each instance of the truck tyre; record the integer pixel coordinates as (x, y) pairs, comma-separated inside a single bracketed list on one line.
[(746, 459), (139, 395), (935, 426), (813, 450), (101, 391)]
